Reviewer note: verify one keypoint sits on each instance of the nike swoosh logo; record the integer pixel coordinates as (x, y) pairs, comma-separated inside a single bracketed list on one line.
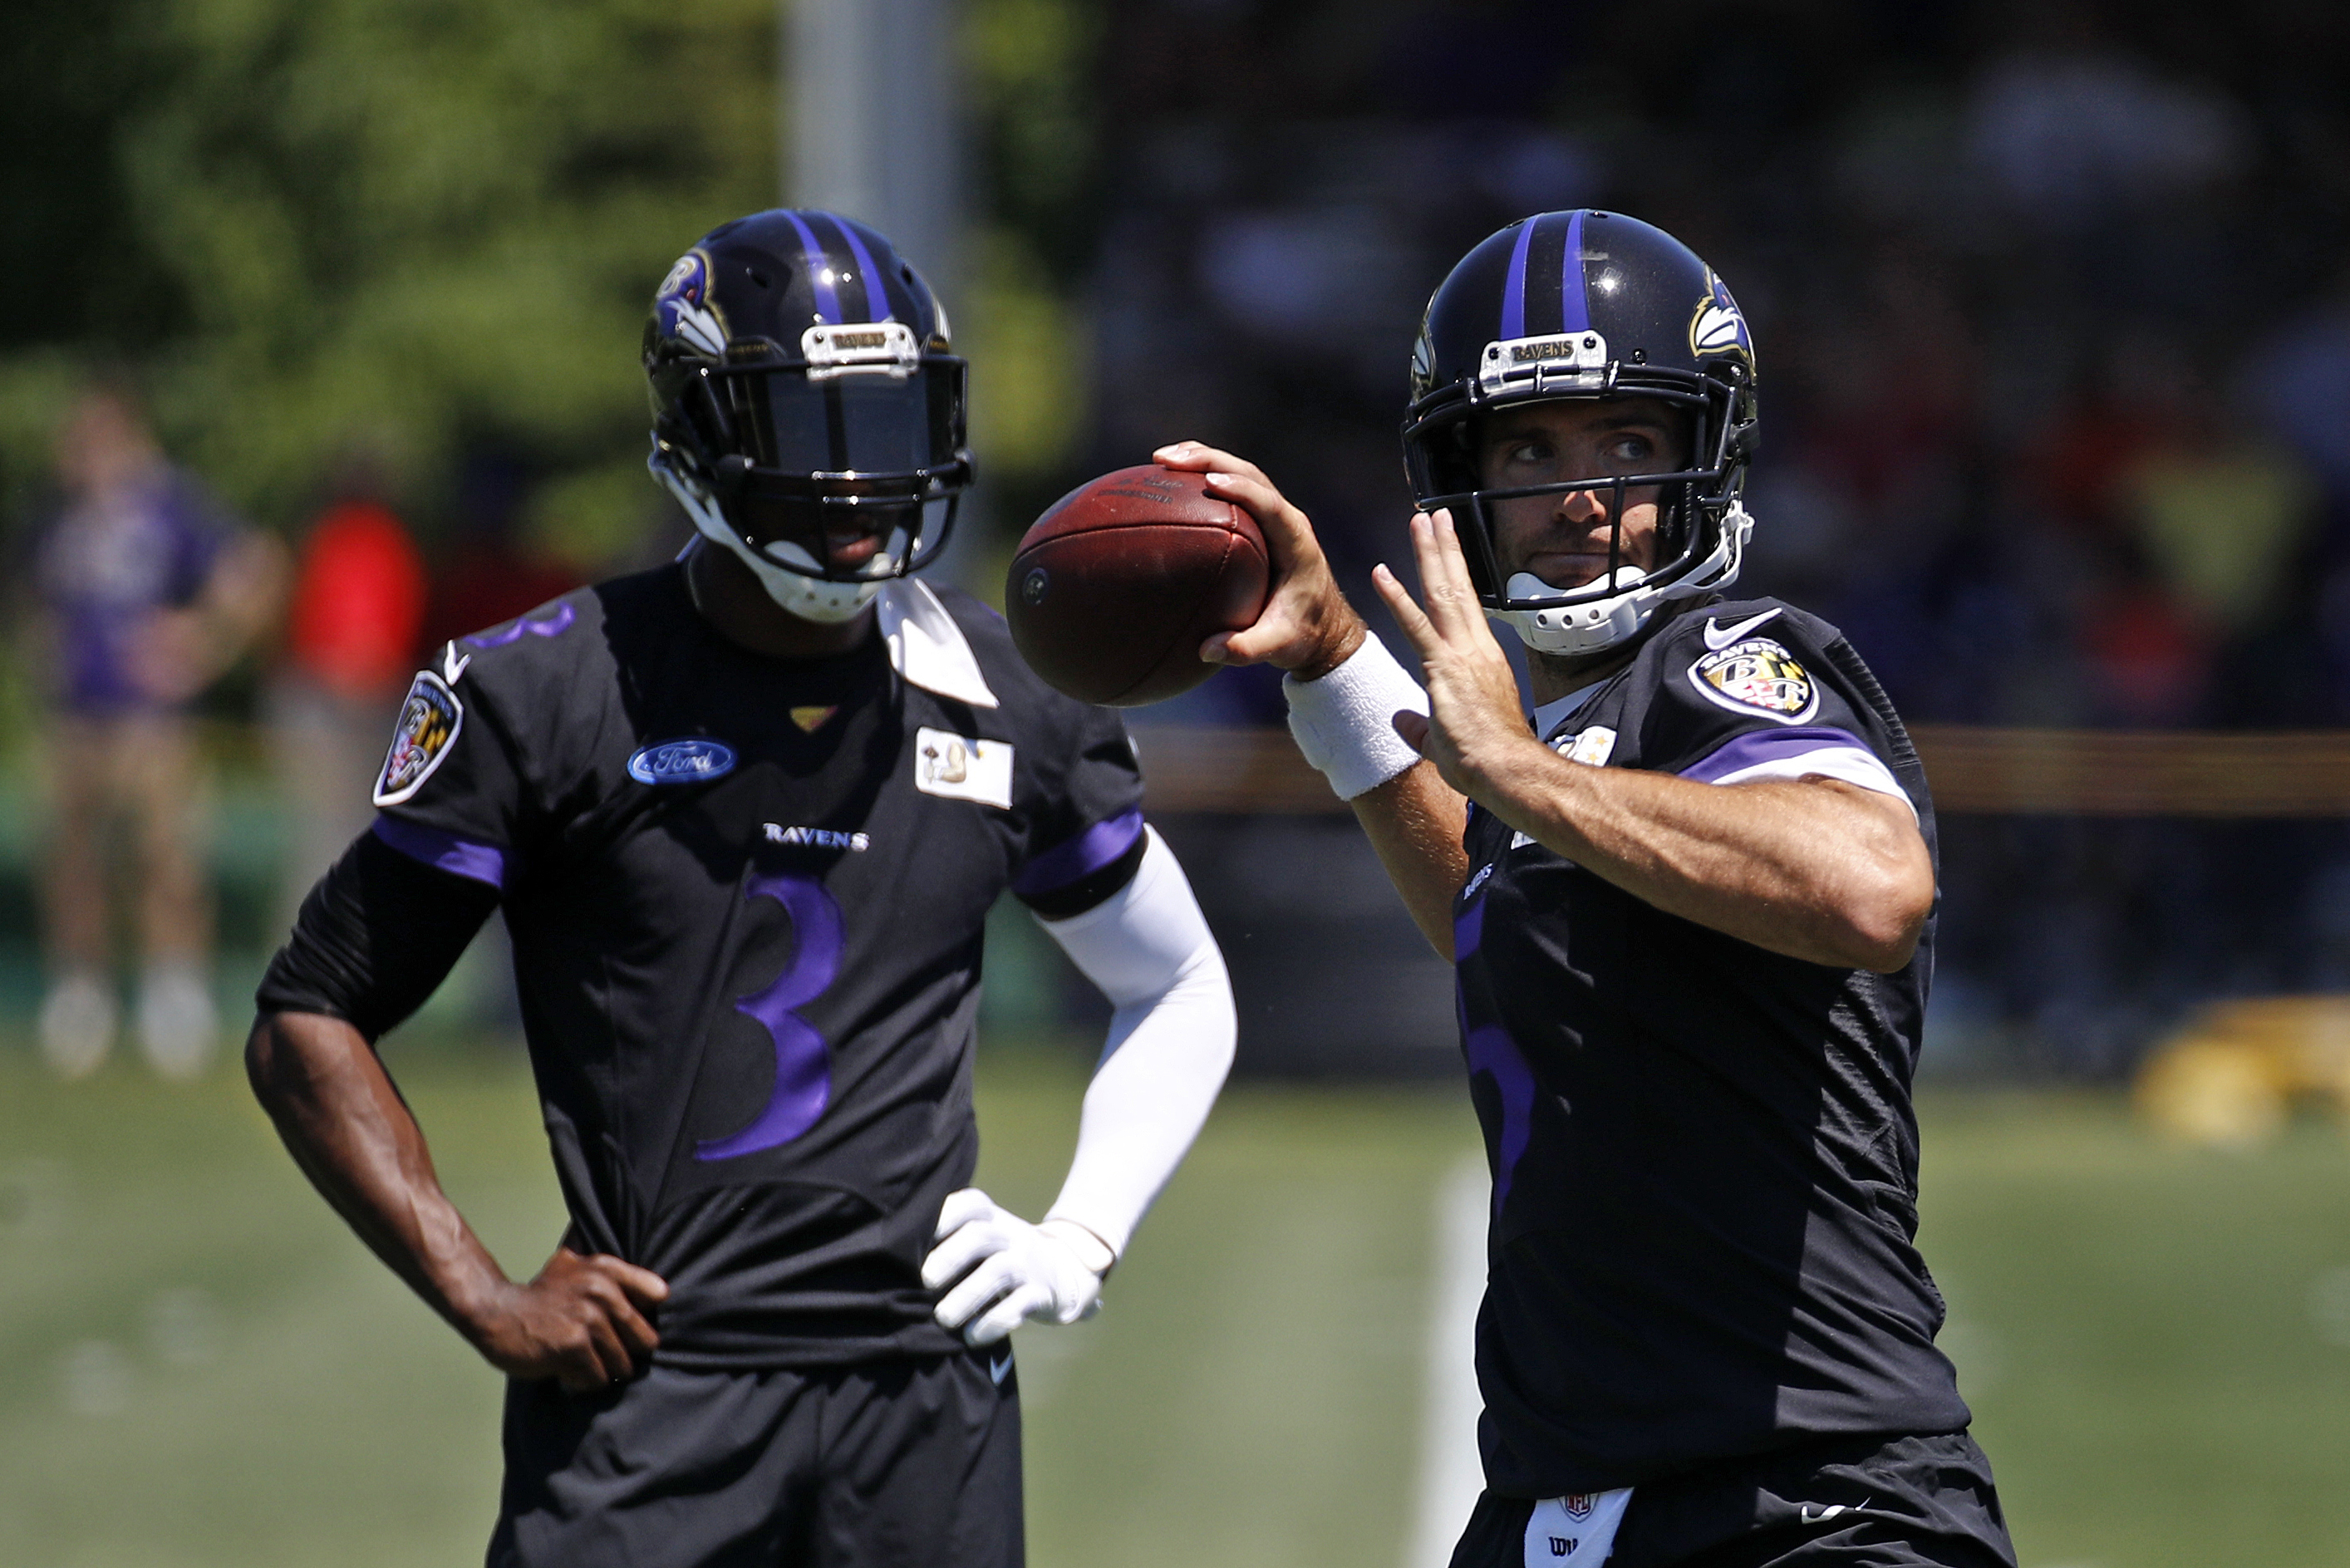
[(998, 1369), (1813, 1513), (452, 666), (1719, 637)]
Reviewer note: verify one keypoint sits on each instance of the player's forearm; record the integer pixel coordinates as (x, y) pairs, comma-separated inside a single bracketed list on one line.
[(1815, 869), (1164, 1063), (339, 1117), (243, 592), (1414, 822), (1149, 951)]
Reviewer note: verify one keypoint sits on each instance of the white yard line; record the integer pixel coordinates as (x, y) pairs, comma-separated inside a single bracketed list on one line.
[(1449, 1475)]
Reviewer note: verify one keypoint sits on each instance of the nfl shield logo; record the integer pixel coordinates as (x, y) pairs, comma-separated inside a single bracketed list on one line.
[(1578, 1505)]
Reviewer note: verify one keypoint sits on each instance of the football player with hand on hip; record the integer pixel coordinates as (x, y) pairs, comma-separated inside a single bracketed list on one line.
[(1692, 913), (744, 816)]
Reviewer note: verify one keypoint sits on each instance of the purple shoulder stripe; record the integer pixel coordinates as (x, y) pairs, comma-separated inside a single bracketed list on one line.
[(479, 862), (1081, 857), (1757, 746)]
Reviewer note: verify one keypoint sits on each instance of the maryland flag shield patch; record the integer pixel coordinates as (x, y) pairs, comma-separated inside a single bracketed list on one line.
[(429, 723), (1757, 675)]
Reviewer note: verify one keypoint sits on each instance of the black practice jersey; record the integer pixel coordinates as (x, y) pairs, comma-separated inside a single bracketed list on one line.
[(1705, 1162), (746, 899)]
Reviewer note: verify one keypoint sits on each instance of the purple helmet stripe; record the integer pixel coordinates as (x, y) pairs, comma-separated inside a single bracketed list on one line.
[(876, 297), (1573, 305), (1514, 294), (827, 303)]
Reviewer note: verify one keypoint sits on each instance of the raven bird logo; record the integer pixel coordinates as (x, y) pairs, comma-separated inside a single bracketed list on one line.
[(683, 303), (1719, 327)]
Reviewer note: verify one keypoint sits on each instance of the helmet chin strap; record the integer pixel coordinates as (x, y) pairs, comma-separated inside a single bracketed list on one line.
[(1592, 626), (810, 598)]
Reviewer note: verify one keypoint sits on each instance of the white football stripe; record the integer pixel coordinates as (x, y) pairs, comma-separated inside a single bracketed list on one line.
[(1451, 1474)]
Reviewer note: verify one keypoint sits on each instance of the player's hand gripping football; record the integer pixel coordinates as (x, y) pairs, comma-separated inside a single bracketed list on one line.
[(581, 1322), (1008, 1271), (1307, 626), (1474, 718)]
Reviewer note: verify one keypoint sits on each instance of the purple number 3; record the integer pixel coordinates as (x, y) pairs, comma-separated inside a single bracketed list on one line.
[(803, 1061)]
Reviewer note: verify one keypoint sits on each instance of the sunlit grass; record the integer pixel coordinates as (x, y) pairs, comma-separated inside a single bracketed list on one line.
[(198, 1366)]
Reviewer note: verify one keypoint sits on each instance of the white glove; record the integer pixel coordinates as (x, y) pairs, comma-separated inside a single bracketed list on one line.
[(1024, 1270)]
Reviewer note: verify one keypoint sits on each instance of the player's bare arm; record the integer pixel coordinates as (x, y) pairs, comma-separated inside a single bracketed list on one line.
[(582, 1321), (1413, 820), (1815, 869), (1706, 862)]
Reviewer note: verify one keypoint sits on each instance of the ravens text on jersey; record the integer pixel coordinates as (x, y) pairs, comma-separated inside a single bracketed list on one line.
[(746, 898)]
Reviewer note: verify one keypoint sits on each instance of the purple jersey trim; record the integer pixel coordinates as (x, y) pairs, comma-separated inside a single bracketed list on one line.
[(554, 625), (1573, 305), (478, 862), (1081, 857), (1757, 746), (812, 257)]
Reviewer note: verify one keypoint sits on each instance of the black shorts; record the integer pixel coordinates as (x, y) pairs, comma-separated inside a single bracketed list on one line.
[(903, 1464), (1858, 1502)]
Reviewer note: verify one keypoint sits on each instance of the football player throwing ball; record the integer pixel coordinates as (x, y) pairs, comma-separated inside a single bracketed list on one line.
[(1691, 910), (744, 816)]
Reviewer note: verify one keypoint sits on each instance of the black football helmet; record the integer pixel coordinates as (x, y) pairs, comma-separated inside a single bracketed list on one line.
[(1587, 304), (801, 378)]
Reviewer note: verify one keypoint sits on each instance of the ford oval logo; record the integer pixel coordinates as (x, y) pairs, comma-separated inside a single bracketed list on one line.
[(682, 761)]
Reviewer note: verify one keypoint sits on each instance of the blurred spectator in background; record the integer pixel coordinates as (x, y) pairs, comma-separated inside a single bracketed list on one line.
[(351, 641), (493, 572), (2061, 433), (146, 593)]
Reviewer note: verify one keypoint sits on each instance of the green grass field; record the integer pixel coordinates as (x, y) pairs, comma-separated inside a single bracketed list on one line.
[(199, 1367)]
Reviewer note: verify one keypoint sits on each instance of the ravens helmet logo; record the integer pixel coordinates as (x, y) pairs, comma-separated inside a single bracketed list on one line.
[(1718, 326)]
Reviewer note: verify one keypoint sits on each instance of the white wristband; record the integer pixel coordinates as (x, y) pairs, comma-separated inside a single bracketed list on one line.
[(1344, 722)]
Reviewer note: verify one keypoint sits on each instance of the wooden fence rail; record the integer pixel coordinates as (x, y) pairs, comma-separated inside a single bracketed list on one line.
[(2073, 773)]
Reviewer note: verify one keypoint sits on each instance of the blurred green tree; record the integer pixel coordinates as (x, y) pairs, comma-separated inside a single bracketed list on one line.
[(1034, 151), (415, 225), (407, 223)]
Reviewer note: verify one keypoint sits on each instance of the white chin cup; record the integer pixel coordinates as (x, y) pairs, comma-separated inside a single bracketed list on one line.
[(810, 598), (1590, 625)]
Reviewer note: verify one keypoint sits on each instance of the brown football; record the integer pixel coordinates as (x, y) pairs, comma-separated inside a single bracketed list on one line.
[(1113, 590)]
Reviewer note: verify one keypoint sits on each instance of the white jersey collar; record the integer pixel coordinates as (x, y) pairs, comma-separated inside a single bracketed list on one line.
[(926, 646), (1559, 710)]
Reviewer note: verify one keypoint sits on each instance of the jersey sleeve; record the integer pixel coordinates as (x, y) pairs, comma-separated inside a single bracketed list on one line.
[(1085, 836), (376, 937), (450, 791), (1751, 693)]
